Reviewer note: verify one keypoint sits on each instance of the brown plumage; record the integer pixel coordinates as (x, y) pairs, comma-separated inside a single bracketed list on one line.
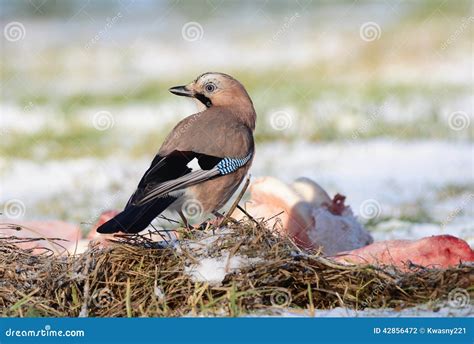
[(219, 139)]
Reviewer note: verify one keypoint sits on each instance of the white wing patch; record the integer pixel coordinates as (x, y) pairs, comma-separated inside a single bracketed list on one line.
[(194, 164)]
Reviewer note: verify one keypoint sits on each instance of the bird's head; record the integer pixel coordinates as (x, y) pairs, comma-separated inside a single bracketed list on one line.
[(215, 89)]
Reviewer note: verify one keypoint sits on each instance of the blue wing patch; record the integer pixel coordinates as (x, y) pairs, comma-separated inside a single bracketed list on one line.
[(229, 165)]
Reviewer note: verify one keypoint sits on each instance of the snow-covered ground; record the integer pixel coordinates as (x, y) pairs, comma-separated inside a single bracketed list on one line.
[(433, 311), (416, 188), (384, 120)]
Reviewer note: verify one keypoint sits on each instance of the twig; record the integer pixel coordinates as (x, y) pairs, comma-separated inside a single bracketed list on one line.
[(51, 241), (237, 200), (168, 219), (158, 232), (276, 215), (248, 215)]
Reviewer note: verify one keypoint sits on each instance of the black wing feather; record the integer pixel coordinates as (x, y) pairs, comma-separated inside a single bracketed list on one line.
[(170, 173)]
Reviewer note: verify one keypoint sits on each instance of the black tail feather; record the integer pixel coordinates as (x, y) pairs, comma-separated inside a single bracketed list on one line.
[(134, 219)]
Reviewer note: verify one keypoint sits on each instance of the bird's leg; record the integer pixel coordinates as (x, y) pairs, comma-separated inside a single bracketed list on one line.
[(185, 221), (218, 221), (214, 223)]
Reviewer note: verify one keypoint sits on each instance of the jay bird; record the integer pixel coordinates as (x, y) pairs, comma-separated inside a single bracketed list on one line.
[(204, 158)]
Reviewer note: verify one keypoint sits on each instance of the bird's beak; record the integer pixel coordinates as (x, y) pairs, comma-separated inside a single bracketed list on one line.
[(182, 91)]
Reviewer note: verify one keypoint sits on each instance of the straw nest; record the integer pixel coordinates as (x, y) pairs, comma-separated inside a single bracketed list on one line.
[(138, 277)]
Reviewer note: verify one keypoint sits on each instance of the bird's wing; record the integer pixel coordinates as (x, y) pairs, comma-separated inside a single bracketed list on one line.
[(162, 169), (173, 173), (220, 144)]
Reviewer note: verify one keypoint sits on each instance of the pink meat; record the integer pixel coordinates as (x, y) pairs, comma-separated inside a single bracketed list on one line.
[(70, 233), (439, 251), (103, 218)]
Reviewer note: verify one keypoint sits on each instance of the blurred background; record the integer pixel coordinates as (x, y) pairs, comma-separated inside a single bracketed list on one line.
[(372, 99)]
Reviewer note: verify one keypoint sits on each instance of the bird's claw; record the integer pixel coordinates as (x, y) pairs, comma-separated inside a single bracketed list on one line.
[(217, 222)]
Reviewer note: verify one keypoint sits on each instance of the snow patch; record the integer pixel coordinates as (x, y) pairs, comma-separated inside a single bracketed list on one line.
[(426, 310), (214, 270)]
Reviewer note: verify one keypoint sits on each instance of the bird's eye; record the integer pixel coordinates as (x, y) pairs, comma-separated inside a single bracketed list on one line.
[(210, 87)]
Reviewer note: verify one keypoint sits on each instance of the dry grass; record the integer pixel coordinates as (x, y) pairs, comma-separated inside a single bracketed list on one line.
[(136, 277)]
